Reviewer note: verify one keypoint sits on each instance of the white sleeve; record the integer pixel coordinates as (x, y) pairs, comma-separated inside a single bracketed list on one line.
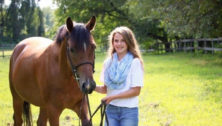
[(102, 74), (136, 73)]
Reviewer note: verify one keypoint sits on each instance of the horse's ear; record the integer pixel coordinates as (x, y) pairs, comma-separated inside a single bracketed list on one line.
[(69, 24), (91, 23)]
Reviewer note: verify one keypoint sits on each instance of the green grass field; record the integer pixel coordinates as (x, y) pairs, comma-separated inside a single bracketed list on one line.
[(179, 90)]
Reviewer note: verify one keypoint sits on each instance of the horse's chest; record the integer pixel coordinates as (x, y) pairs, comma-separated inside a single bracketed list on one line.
[(66, 93)]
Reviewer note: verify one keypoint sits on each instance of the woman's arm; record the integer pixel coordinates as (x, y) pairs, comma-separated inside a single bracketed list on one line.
[(101, 89), (134, 91)]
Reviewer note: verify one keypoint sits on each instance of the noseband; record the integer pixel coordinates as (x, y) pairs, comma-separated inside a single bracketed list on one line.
[(75, 67)]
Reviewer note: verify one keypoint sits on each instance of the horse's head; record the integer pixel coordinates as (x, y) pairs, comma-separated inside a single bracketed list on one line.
[(81, 53)]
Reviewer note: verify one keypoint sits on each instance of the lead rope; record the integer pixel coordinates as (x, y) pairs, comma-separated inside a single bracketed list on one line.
[(81, 109), (87, 100), (102, 108)]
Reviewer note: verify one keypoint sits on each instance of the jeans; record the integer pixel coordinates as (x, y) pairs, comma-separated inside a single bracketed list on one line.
[(122, 116)]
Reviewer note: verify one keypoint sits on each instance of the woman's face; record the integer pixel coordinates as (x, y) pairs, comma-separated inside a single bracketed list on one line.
[(119, 44)]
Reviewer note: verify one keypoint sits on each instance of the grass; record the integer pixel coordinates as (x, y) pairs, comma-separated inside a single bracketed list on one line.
[(179, 90)]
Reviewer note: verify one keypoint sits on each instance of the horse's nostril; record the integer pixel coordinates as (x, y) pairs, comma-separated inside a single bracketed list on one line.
[(85, 86), (88, 87), (93, 85)]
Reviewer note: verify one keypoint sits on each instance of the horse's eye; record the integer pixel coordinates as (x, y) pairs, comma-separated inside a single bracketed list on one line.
[(71, 50), (93, 47)]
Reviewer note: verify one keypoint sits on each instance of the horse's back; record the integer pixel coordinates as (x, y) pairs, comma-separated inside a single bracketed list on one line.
[(24, 64), (29, 50), (32, 45)]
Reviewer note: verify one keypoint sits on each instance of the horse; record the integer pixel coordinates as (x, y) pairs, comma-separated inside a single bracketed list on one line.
[(53, 75)]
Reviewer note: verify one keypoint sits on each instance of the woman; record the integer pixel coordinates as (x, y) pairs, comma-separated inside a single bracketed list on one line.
[(122, 76)]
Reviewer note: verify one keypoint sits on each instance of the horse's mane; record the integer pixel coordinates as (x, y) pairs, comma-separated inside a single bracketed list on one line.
[(61, 34), (79, 35)]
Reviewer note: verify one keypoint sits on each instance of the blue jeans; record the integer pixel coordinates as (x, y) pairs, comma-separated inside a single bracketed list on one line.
[(122, 116)]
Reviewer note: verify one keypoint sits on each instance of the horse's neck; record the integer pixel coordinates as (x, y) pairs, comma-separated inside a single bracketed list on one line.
[(62, 59)]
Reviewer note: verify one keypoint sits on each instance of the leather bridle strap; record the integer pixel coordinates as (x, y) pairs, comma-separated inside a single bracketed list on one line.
[(74, 68)]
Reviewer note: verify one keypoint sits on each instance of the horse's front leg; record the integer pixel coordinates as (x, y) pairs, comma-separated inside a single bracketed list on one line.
[(53, 113), (82, 110), (42, 119)]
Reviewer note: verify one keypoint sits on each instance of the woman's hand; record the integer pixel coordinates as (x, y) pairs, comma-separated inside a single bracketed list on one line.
[(101, 89), (108, 99), (132, 92)]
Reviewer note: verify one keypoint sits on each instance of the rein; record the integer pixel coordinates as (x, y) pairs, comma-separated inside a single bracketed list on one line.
[(102, 108)]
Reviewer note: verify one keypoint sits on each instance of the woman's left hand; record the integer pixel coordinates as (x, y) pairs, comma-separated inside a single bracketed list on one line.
[(134, 91), (108, 99)]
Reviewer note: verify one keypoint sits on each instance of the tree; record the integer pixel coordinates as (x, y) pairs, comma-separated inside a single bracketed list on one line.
[(13, 21), (1, 19), (48, 15), (178, 19), (41, 30), (24, 19), (191, 18), (110, 14), (27, 11)]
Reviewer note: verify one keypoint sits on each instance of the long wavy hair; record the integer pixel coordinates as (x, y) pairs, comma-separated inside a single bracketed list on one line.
[(130, 40)]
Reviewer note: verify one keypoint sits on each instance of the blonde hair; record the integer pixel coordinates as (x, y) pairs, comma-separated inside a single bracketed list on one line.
[(130, 40)]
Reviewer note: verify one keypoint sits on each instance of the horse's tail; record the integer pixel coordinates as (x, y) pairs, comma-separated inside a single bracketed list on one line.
[(27, 115)]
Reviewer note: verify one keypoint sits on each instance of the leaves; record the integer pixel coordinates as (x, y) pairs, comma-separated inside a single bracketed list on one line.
[(150, 20)]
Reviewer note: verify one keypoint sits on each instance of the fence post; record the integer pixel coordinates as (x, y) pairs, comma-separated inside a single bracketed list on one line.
[(212, 44), (3, 53), (205, 45), (184, 47), (195, 45), (198, 45)]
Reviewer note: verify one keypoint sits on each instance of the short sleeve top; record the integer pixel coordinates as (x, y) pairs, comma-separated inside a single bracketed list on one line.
[(134, 79)]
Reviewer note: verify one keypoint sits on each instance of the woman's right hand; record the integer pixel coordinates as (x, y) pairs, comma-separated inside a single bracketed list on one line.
[(101, 89)]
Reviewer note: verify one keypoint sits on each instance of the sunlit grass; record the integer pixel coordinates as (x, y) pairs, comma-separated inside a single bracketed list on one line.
[(179, 90)]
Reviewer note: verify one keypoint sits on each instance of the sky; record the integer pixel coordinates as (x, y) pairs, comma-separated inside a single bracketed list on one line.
[(42, 3)]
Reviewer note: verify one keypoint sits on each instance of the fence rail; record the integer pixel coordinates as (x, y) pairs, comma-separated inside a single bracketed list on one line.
[(6, 49), (205, 45)]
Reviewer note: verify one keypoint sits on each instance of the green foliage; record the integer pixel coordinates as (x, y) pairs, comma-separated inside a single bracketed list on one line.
[(22, 19), (151, 20), (41, 30), (110, 14), (49, 22), (191, 18), (13, 29), (2, 16)]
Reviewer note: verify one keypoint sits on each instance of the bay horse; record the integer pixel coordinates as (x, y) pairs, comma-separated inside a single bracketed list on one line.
[(53, 75)]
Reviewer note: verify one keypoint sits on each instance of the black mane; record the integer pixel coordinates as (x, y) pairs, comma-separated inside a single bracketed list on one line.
[(61, 34), (79, 35)]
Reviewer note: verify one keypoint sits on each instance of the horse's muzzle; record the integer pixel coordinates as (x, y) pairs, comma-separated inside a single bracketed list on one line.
[(88, 87)]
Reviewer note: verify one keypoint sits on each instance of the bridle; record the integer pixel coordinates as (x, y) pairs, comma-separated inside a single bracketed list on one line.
[(102, 106), (75, 67)]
